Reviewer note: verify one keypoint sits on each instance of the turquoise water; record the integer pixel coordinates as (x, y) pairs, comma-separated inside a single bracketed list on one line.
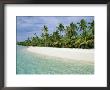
[(30, 63)]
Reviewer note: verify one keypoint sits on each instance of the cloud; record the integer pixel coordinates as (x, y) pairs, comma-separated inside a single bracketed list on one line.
[(26, 25)]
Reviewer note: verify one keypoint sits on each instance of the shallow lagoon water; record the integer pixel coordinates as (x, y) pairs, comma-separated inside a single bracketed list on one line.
[(30, 63)]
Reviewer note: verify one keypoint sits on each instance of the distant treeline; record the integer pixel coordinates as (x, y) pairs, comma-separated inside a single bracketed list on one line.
[(75, 35)]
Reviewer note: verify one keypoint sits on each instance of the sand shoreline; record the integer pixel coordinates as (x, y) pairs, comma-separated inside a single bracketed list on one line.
[(65, 53)]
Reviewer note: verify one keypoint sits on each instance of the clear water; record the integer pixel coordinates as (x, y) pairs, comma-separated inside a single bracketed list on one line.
[(30, 63)]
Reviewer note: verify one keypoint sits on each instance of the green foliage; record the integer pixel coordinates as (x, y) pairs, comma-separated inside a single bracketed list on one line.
[(60, 28), (80, 35)]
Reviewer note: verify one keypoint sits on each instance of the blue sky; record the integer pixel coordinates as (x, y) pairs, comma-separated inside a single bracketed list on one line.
[(28, 25)]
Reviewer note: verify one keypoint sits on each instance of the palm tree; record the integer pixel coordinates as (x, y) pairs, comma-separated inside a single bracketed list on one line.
[(60, 28), (92, 27), (56, 38), (27, 42), (83, 27), (67, 32), (73, 29), (45, 34)]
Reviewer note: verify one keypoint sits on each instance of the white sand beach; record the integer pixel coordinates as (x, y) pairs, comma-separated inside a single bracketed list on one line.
[(65, 53)]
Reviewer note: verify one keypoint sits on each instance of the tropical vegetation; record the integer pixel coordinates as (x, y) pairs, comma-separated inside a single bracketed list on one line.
[(74, 35)]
